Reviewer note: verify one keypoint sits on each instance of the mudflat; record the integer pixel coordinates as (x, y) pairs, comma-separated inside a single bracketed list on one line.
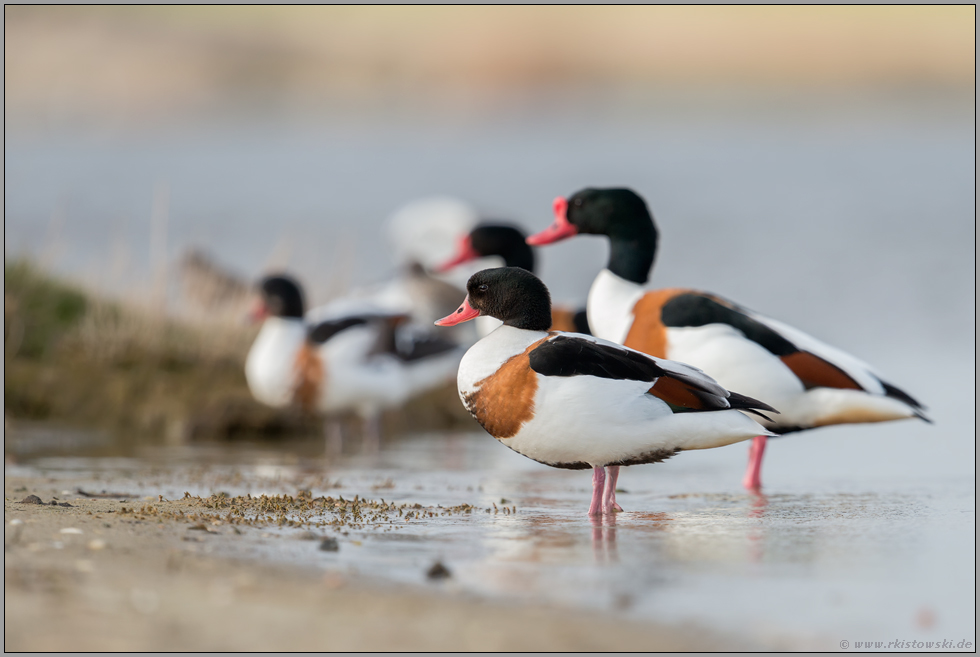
[(89, 573)]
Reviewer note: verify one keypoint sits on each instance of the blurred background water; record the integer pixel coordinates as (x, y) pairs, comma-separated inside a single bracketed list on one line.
[(815, 164)]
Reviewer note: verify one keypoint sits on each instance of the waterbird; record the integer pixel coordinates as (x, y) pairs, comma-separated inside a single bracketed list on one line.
[(812, 383), (356, 361), (509, 243), (575, 401)]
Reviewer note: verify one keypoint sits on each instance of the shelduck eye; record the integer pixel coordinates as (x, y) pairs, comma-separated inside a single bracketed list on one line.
[(577, 202), (483, 288)]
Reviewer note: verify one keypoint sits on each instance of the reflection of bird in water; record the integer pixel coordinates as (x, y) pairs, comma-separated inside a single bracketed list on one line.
[(508, 242), (811, 383), (573, 401), (358, 360), (757, 534), (604, 538)]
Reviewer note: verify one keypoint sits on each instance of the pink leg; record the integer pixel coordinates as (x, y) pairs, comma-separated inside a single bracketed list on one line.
[(753, 474), (609, 493), (598, 486)]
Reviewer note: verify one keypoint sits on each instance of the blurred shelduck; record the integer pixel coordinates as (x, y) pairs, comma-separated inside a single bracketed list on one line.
[(811, 383), (420, 234), (573, 401), (508, 243), (355, 360)]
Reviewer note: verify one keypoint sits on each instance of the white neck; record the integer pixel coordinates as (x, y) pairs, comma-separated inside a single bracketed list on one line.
[(610, 306), (487, 355), (269, 367)]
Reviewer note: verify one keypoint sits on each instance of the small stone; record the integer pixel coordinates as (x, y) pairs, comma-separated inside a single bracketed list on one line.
[(31, 499), (438, 571), (198, 527), (96, 544), (16, 521), (71, 530), (329, 544), (307, 536)]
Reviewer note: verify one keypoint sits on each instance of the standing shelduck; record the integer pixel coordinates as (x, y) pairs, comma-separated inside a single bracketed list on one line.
[(573, 401), (509, 243), (355, 362), (812, 384)]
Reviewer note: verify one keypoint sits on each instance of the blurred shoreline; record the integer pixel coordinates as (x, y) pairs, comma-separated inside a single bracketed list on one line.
[(130, 375), (129, 66)]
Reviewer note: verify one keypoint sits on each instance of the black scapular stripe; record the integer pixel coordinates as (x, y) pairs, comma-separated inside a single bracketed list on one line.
[(567, 356), (420, 347), (691, 309), (325, 330)]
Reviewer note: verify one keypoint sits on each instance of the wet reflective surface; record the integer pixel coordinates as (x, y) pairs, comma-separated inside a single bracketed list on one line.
[(816, 559)]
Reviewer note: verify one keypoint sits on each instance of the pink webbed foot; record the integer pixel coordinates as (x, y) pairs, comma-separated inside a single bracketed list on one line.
[(753, 474), (609, 493), (598, 487)]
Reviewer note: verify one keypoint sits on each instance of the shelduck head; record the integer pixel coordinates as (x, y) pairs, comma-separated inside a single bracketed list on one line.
[(615, 212), (513, 295), (492, 239), (278, 296), (618, 213)]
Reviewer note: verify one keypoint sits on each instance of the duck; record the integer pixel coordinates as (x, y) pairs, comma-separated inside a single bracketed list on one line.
[(812, 383), (352, 361), (509, 243), (574, 401)]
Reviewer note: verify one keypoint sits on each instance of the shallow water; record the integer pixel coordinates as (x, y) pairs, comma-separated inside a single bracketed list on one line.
[(819, 558)]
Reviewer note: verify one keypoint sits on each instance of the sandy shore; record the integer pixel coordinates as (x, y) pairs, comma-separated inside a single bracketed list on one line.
[(146, 574)]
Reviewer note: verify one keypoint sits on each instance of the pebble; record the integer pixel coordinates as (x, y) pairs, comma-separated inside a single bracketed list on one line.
[(438, 571), (71, 530), (31, 499), (329, 544), (16, 521), (96, 544)]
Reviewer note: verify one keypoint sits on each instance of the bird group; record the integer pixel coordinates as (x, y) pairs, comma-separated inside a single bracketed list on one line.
[(636, 377)]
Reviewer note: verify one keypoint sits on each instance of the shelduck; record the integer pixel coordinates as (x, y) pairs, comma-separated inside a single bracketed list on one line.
[(574, 401), (508, 242), (811, 383), (355, 361)]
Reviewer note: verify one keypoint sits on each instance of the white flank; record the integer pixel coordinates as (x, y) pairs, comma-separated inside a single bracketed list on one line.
[(600, 421), (743, 366), (354, 379)]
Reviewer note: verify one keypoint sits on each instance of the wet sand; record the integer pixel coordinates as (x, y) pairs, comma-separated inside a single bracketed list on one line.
[(143, 574)]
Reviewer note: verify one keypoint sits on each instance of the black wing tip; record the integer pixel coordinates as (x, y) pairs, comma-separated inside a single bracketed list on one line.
[(759, 413), (922, 416), (746, 403), (897, 393)]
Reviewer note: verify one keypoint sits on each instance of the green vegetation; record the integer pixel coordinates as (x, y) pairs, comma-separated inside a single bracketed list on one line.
[(75, 359)]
